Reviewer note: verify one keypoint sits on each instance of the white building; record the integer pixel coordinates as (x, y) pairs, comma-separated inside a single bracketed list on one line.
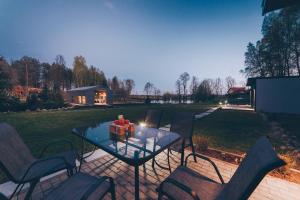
[(275, 95)]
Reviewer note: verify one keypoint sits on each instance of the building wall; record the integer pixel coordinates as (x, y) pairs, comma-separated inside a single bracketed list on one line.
[(278, 95), (89, 94)]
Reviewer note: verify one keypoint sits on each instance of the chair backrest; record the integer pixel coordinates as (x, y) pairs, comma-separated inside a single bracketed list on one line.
[(152, 118), (183, 124), (15, 157), (260, 160)]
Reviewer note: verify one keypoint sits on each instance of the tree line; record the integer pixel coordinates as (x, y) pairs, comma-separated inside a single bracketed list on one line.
[(277, 53), (52, 79), (30, 72), (198, 91)]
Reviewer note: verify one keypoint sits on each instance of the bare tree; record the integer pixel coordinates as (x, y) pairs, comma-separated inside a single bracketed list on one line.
[(148, 88), (167, 96), (178, 89), (184, 78), (218, 86), (129, 85), (194, 84), (204, 91), (230, 82), (156, 93)]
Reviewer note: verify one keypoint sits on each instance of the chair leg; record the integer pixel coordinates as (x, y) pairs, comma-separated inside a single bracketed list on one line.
[(113, 191), (160, 195), (168, 154), (182, 152), (153, 163), (30, 190), (193, 149)]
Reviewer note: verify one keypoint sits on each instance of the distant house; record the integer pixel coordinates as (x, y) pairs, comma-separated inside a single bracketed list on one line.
[(238, 95), (21, 92), (91, 95), (275, 95), (237, 90)]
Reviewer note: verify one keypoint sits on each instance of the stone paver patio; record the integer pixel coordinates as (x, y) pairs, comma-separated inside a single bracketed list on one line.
[(269, 189)]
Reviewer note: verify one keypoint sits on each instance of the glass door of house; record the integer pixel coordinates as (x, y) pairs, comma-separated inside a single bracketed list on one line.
[(100, 97)]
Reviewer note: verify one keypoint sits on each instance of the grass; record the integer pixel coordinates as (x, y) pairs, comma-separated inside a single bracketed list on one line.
[(39, 128), (232, 131)]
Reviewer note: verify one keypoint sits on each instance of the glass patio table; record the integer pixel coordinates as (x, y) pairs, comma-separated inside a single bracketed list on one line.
[(134, 148)]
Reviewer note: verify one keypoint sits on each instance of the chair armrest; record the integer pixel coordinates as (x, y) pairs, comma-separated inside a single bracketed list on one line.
[(46, 172), (210, 161), (181, 186), (56, 142), (96, 185)]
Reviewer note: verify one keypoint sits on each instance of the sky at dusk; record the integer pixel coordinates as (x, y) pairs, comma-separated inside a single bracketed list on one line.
[(145, 40)]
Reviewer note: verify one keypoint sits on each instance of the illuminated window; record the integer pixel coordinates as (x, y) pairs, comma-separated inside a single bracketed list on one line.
[(100, 97), (81, 99)]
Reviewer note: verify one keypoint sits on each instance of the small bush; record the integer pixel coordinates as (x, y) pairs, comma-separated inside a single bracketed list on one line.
[(147, 100), (32, 102), (201, 143), (11, 104)]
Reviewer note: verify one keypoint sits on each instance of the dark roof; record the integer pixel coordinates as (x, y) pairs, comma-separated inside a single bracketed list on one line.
[(237, 90), (95, 87), (252, 81), (271, 5)]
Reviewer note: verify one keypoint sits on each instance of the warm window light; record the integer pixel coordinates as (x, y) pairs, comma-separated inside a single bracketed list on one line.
[(142, 124)]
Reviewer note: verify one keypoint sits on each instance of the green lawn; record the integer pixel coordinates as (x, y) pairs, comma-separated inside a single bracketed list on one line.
[(232, 131), (38, 128)]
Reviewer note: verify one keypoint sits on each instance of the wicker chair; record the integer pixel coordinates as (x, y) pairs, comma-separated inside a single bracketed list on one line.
[(152, 118), (185, 183), (21, 167)]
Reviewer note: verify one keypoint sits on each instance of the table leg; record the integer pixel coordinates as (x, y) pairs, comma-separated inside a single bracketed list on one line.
[(136, 183)]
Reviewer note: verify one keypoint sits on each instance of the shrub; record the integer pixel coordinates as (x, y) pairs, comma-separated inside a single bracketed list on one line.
[(11, 104), (15, 105), (201, 143), (32, 102), (147, 100)]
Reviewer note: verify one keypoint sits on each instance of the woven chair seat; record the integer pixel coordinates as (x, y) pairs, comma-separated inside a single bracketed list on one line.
[(69, 156), (43, 168), (75, 187), (205, 188)]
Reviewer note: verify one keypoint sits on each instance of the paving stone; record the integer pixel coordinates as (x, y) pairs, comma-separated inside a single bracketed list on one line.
[(270, 188)]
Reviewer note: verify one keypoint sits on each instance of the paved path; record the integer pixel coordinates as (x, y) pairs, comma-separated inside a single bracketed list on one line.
[(197, 116)]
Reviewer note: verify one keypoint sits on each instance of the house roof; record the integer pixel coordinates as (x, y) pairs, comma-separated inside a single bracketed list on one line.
[(271, 5), (237, 90), (252, 81), (83, 88), (88, 88)]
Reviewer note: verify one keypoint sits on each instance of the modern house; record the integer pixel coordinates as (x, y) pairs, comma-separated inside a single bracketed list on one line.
[(90, 95), (275, 94)]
